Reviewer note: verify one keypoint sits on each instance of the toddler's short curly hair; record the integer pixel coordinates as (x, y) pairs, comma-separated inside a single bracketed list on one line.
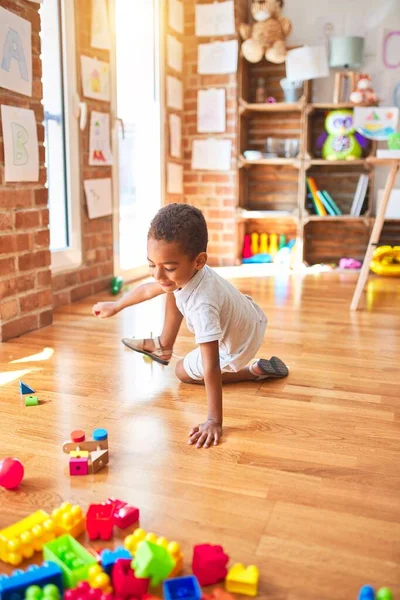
[(183, 224)]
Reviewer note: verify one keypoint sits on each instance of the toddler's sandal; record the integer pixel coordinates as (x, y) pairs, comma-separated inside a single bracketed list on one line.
[(274, 368), (158, 355)]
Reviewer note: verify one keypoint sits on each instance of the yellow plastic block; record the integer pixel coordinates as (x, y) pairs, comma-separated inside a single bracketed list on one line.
[(139, 535), (23, 539), (79, 454), (69, 519), (242, 580), (99, 580)]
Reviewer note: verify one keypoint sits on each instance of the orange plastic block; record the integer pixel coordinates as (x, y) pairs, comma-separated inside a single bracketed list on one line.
[(173, 548), (242, 580), (218, 594), (99, 580), (23, 539), (69, 519)]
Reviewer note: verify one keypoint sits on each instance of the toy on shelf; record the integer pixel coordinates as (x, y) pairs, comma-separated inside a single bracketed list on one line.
[(125, 583), (242, 580), (266, 37), (341, 141), (364, 94), (209, 564), (182, 588), (87, 456), (173, 548), (99, 521), (246, 252), (254, 243), (24, 538), (48, 592), (152, 561), (263, 249), (11, 473), (273, 244), (13, 587), (69, 520), (386, 261), (72, 558)]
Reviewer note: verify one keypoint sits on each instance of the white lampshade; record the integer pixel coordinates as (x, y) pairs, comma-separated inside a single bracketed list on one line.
[(346, 52), (307, 62)]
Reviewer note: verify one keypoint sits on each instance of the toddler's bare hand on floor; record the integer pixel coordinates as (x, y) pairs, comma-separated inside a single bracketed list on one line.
[(104, 309), (205, 434)]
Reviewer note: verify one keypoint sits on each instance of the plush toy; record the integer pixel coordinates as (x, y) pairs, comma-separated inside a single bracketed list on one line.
[(341, 141), (364, 95), (266, 37)]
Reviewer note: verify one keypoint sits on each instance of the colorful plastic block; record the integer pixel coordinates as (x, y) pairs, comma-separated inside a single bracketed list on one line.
[(84, 592), (367, 592), (99, 521), (209, 564), (139, 535), (26, 537), (79, 454), (25, 389), (182, 588), (48, 592), (242, 580), (79, 442), (152, 561), (73, 559), (125, 582), (31, 400), (13, 587), (11, 473), (69, 519), (218, 594), (99, 580), (110, 557), (79, 466), (384, 593), (124, 515)]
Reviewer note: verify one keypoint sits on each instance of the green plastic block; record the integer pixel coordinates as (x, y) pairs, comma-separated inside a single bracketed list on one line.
[(384, 594), (48, 592), (152, 561), (73, 559), (31, 400)]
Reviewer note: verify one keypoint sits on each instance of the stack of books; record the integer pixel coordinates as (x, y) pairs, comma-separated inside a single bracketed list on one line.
[(323, 202)]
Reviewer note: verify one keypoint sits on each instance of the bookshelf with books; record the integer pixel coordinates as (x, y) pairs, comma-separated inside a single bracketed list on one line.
[(330, 219)]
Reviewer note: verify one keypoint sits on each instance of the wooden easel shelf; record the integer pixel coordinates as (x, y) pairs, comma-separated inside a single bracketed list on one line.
[(248, 107)]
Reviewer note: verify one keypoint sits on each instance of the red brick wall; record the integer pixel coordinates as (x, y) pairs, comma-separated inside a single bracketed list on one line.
[(96, 270), (215, 193), (25, 276)]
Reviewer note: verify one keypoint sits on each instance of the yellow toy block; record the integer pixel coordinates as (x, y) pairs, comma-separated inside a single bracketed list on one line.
[(242, 580), (69, 519), (99, 580), (79, 454), (139, 535), (23, 539)]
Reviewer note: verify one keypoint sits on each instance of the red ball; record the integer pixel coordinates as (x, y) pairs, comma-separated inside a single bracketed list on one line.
[(11, 473)]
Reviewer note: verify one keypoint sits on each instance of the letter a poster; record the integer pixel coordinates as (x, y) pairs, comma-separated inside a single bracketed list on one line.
[(15, 53)]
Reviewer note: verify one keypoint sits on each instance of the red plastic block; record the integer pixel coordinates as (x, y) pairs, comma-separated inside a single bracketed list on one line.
[(125, 583), (124, 515), (78, 466), (99, 521), (78, 435), (209, 563)]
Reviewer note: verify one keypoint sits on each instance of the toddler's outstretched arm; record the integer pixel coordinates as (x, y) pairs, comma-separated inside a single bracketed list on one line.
[(143, 292)]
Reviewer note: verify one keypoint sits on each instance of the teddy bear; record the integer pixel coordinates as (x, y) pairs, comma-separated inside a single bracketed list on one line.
[(266, 37), (364, 95)]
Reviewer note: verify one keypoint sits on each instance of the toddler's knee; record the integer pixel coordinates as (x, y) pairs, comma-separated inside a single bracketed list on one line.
[(181, 373)]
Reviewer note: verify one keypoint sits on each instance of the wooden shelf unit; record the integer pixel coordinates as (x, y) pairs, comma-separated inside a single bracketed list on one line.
[(270, 184)]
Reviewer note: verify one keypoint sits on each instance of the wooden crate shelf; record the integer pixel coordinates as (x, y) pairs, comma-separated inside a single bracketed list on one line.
[(269, 187), (329, 241), (246, 108)]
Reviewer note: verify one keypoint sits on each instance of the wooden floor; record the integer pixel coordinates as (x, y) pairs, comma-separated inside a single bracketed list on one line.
[(306, 483)]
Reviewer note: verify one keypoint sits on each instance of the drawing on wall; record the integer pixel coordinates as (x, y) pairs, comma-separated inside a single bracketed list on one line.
[(217, 18), (98, 197), (100, 30), (175, 135), (211, 113), (15, 53), (95, 78), (99, 139), (174, 178), (21, 154), (391, 49), (217, 58), (396, 96), (376, 123)]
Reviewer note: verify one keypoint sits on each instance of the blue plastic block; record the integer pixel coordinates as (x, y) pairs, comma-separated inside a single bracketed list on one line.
[(182, 588), (25, 389), (110, 557), (367, 592), (100, 434), (12, 587)]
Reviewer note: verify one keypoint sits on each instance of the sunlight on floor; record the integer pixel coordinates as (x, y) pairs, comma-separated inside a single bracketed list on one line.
[(8, 377), (46, 354)]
